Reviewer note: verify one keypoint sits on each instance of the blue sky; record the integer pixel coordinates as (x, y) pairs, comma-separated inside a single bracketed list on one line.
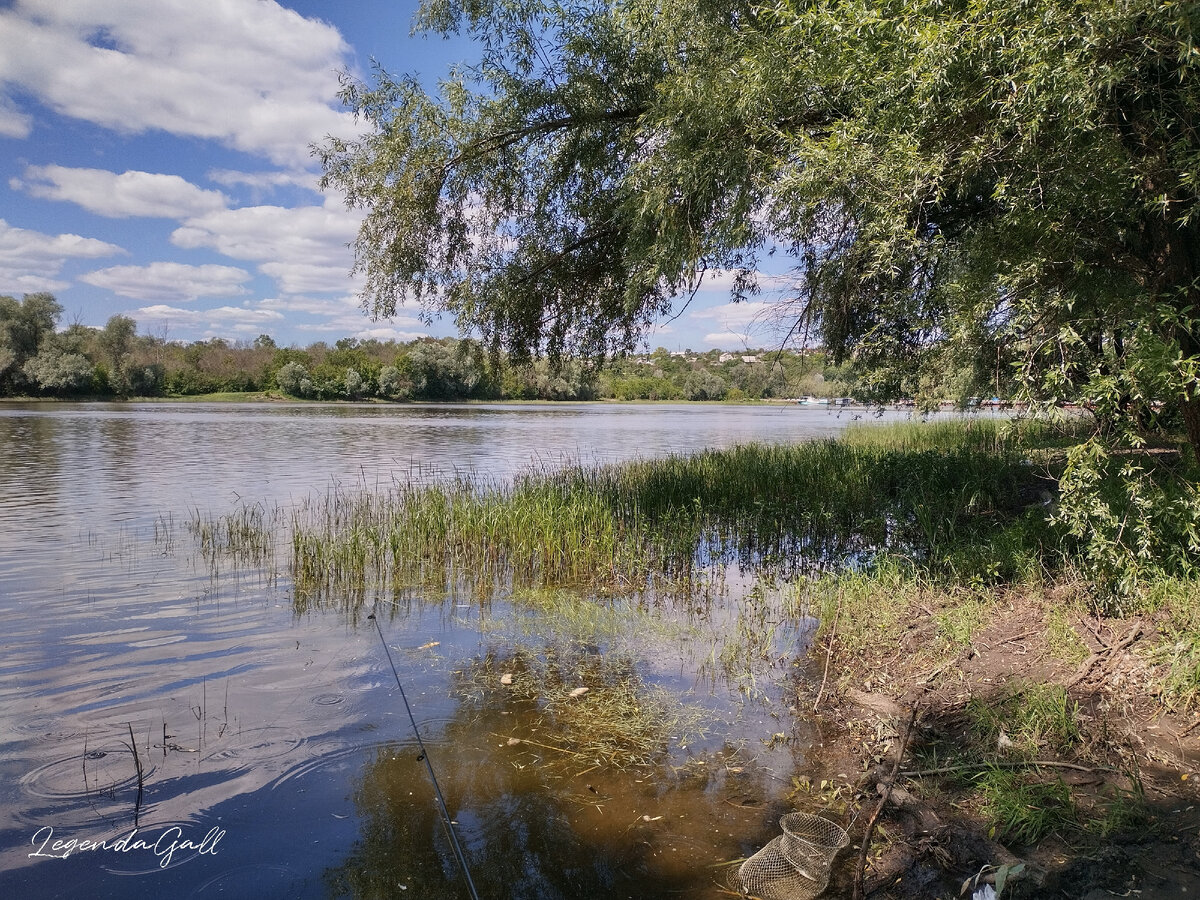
[(155, 162)]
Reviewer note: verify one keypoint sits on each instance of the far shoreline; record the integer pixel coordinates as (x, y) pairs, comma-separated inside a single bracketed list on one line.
[(277, 397)]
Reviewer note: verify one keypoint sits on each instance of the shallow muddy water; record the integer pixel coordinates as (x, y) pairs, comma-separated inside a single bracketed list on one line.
[(181, 712)]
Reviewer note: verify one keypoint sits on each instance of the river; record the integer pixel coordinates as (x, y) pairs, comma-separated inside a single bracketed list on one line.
[(208, 739)]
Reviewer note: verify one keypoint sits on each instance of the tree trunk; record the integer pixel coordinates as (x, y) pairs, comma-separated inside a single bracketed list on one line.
[(1191, 420), (1189, 406)]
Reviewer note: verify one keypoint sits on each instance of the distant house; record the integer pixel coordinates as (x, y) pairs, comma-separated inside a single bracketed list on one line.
[(749, 359), (725, 357)]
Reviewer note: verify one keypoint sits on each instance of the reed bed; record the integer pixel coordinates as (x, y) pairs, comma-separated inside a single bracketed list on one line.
[(645, 526), (248, 535)]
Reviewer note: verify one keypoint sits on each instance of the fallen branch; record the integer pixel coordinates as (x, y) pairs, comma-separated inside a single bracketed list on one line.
[(1006, 764), (1108, 652), (1010, 640), (887, 784), (828, 654)]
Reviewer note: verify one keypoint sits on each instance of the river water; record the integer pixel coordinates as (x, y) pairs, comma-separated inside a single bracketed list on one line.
[(150, 697)]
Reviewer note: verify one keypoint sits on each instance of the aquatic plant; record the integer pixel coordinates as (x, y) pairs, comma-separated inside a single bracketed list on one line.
[(587, 709), (247, 535), (645, 525)]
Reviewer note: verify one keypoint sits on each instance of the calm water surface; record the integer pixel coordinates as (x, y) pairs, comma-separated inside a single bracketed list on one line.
[(277, 744)]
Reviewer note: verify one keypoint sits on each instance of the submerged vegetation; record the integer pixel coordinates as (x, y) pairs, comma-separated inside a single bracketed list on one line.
[(908, 558)]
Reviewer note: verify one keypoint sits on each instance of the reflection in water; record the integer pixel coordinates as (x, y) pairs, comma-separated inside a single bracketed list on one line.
[(531, 831), (270, 723)]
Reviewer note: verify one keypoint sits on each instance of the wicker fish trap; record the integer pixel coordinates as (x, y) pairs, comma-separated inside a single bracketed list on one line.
[(796, 864)]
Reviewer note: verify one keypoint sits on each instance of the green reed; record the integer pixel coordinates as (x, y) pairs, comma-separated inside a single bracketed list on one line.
[(650, 524), (247, 535)]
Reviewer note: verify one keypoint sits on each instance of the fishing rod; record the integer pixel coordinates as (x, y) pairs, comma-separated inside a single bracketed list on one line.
[(449, 823)]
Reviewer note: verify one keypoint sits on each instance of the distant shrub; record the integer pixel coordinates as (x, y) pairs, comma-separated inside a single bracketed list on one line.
[(290, 379)]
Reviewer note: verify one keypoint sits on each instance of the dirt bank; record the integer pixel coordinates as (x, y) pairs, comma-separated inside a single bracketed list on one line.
[(1042, 743)]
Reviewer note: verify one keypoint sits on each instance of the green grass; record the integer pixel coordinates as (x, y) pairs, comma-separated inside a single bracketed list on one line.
[(648, 525), (959, 621), (1062, 638), (1022, 810), (1031, 716), (866, 605), (1122, 813), (1174, 604), (218, 397)]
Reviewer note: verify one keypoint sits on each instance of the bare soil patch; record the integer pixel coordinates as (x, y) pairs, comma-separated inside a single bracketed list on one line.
[(1122, 766)]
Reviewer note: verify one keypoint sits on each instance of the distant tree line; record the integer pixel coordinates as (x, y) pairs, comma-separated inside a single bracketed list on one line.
[(39, 359)]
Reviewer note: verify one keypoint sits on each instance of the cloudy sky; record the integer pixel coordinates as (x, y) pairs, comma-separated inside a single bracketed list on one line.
[(155, 162)]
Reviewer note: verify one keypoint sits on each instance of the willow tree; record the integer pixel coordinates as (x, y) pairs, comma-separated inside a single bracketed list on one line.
[(525, 197), (1017, 180), (984, 179)]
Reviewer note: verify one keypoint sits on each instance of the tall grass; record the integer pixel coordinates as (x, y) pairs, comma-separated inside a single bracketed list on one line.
[(889, 514), (651, 524), (248, 535)]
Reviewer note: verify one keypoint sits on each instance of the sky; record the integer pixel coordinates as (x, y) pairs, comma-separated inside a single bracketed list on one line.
[(155, 162)]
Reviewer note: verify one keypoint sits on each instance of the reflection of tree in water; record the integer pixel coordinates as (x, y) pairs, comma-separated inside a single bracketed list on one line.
[(513, 804)]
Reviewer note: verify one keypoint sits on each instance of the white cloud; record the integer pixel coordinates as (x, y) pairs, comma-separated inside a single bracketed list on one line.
[(342, 316), (726, 339), (310, 235), (389, 334), (357, 322), (732, 315), (264, 181), (312, 306), (213, 322), (300, 278), (30, 284), (249, 73), (724, 280), (170, 281), (13, 122), (350, 319), (305, 249), (752, 324), (120, 196), (31, 260)]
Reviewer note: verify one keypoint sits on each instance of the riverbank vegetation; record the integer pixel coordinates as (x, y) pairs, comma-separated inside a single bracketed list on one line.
[(1057, 707), (647, 525), (37, 359)]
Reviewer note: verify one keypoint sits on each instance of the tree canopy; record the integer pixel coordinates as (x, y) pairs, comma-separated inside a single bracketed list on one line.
[(981, 180)]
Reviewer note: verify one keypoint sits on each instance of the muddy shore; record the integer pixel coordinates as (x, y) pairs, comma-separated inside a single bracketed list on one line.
[(1127, 821)]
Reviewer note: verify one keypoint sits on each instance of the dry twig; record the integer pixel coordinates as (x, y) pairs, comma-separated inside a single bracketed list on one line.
[(1109, 652), (888, 782)]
